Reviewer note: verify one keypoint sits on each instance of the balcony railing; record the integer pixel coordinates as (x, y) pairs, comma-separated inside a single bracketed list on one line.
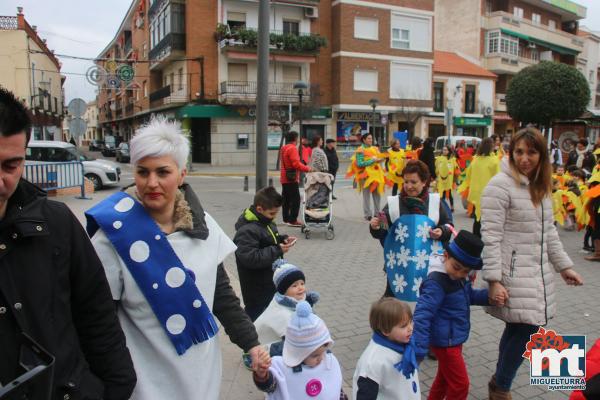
[(8, 23), (160, 93), (170, 43), (165, 96), (243, 91), (301, 42)]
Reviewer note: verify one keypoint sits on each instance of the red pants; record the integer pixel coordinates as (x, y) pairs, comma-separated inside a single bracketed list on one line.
[(452, 380)]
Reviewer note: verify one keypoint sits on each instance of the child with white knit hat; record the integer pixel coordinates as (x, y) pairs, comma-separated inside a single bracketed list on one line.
[(290, 282), (306, 370)]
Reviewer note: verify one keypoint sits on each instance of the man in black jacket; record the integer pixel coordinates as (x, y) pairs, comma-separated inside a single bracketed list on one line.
[(258, 246), (332, 159), (52, 285)]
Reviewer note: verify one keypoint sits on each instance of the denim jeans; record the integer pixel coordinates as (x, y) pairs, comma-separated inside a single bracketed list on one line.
[(512, 347)]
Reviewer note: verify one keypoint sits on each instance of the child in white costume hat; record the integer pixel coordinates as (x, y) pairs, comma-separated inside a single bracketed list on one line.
[(307, 370), (290, 282)]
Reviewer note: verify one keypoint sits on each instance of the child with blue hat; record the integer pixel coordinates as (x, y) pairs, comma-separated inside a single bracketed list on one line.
[(442, 313)]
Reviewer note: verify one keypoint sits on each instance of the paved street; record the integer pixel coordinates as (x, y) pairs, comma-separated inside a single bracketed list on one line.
[(347, 273)]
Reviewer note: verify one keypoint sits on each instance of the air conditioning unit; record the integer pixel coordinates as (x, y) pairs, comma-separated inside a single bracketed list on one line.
[(311, 12), (487, 111)]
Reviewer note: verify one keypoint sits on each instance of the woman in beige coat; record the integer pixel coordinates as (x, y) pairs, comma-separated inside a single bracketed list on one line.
[(522, 248)]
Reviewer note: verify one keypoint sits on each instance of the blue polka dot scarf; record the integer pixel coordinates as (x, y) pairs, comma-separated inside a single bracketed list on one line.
[(168, 286)]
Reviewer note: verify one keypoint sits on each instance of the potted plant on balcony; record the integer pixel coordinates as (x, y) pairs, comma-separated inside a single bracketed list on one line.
[(252, 37), (276, 40), (221, 32), (290, 42)]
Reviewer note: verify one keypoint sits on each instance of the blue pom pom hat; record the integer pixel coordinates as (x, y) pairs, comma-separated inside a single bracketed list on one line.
[(285, 274)]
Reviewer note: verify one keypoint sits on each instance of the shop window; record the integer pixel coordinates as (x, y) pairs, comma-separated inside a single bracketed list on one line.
[(438, 97)]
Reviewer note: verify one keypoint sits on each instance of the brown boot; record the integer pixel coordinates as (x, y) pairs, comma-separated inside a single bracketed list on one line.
[(596, 255), (495, 393)]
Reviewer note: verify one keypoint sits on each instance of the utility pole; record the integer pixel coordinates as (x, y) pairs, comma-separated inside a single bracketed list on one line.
[(262, 94)]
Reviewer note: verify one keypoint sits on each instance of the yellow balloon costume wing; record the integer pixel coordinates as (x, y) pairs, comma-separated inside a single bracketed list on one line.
[(395, 167), (479, 173)]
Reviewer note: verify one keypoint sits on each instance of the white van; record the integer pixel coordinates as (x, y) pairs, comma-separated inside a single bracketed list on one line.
[(442, 141), (100, 172)]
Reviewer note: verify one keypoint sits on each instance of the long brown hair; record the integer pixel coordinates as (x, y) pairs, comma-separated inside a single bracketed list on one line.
[(540, 183)]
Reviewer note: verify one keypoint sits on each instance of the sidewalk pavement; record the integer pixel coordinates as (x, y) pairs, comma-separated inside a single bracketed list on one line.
[(347, 272)]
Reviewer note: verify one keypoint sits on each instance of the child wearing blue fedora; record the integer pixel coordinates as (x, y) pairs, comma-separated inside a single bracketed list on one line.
[(442, 313)]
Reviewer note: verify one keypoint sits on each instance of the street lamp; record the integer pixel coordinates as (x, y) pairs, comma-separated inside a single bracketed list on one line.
[(374, 102), (300, 87)]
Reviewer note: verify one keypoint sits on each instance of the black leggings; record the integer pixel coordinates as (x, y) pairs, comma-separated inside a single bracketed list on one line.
[(291, 201)]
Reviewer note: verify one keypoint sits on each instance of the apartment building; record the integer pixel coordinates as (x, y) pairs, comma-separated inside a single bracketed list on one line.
[(32, 73), (467, 90), (91, 119), (505, 36), (382, 59)]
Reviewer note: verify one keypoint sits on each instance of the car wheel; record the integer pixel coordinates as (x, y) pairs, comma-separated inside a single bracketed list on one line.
[(95, 180)]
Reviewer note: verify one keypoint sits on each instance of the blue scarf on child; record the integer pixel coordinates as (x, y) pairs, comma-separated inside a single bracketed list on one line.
[(289, 302), (168, 286), (408, 364)]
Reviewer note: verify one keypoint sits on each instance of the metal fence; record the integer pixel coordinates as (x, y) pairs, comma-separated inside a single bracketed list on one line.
[(58, 175)]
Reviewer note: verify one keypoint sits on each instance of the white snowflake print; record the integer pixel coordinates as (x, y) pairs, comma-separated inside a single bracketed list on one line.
[(399, 283), (423, 231), (421, 258), (436, 247), (391, 259), (401, 233), (417, 285), (403, 257)]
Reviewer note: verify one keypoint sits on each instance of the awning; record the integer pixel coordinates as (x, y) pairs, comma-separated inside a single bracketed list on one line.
[(551, 46), (218, 111), (502, 117)]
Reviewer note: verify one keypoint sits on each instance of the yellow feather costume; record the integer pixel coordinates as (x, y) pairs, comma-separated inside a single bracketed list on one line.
[(445, 170), (395, 166), (479, 173), (371, 176)]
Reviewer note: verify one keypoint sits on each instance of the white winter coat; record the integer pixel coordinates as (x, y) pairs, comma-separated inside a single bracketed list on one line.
[(520, 244)]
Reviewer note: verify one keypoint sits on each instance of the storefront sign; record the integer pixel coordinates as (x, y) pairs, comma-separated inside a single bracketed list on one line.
[(273, 137), (357, 116), (472, 121), (350, 131)]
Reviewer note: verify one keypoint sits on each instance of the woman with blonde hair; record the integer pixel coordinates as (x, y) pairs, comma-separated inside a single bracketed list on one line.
[(522, 251)]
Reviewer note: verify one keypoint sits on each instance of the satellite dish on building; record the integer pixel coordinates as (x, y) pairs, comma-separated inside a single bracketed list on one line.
[(77, 126), (77, 107)]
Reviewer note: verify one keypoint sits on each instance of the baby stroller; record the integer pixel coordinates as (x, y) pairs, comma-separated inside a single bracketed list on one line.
[(317, 205)]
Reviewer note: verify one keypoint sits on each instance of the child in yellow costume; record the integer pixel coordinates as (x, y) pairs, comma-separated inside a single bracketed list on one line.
[(558, 207), (395, 165), (484, 166), (446, 168), (368, 174)]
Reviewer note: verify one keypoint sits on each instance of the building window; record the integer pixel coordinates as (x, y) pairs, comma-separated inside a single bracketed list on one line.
[(237, 72), (411, 32), (172, 81), (502, 43), (536, 18), (55, 105), (145, 51), (236, 20), (291, 27), (438, 96), (145, 86), (292, 73), (470, 99), (401, 38), (518, 12), (365, 80), (366, 28), (552, 24), (410, 81), (180, 78)]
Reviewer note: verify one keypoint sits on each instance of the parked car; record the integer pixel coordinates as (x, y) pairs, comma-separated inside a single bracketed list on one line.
[(442, 141), (122, 154), (110, 146), (96, 145), (100, 172)]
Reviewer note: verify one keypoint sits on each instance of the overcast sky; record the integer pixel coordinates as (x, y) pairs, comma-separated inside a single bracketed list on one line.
[(83, 28)]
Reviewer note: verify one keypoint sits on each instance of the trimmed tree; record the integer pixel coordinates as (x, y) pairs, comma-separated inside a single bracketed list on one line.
[(546, 92)]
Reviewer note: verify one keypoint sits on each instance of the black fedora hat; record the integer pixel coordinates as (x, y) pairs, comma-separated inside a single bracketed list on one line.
[(466, 248)]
